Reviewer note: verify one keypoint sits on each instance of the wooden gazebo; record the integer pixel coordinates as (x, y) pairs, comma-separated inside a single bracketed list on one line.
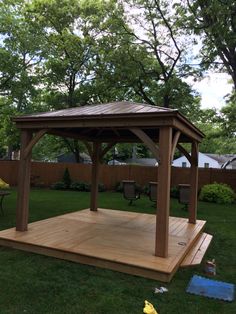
[(100, 127)]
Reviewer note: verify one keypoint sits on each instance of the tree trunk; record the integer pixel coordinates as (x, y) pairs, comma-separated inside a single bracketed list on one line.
[(166, 101)]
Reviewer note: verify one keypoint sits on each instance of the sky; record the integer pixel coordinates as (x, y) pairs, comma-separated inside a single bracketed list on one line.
[(212, 89)]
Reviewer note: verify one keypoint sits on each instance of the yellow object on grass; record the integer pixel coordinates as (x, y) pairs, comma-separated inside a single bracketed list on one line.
[(3, 184), (149, 308)]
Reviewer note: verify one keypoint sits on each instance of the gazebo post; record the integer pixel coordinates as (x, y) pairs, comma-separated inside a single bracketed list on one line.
[(22, 210), (193, 183), (163, 201), (95, 176)]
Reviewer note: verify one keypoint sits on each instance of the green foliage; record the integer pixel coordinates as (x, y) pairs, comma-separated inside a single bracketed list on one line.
[(174, 192), (214, 22), (217, 193), (9, 134), (65, 184), (48, 149), (60, 185), (60, 56), (146, 190), (77, 186), (87, 187), (228, 118), (66, 178), (218, 130)]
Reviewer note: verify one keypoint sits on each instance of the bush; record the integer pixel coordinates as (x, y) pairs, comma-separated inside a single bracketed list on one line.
[(66, 178), (59, 186), (146, 190), (174, 192), (87, 187), (77, 186), (217, 193)]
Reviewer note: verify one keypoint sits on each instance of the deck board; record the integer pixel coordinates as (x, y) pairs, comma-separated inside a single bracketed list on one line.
[(118, 240), (196, 254)]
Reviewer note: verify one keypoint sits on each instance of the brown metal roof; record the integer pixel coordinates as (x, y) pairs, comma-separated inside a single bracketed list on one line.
[(113, 108), (110, 121)]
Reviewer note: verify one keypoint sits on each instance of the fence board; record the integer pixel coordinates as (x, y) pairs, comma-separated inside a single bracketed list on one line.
[(48, 173)]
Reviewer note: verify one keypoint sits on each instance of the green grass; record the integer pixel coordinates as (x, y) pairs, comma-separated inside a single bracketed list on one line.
[(31, 283)]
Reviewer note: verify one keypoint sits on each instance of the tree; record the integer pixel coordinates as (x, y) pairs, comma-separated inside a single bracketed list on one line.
[(137, 63), (154, 29), (228, 117), (20, 55), (19, 68), (215, 22), (9, 135), (217, 139), (71, 35)]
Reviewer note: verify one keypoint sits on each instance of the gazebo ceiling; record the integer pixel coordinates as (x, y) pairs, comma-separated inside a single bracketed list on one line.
[(110, 122)]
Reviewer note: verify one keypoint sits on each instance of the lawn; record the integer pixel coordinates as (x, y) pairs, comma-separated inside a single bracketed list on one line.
[(31, 283)]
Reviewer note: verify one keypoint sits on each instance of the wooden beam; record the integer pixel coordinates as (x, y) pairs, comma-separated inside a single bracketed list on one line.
[(76, 136), (116, 132), (96, 122), (33, 141), (174, 143), (183, 150), (86, 131), (95, 176), (22, 209), (187, 128), (101, 139), (147, 141), (193, 183), (163, 192)]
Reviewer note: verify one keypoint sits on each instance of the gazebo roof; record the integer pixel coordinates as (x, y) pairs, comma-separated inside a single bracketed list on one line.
[(110, 121), (112, 108)]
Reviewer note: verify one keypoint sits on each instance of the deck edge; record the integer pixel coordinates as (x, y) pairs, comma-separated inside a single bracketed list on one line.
[(88, 260)]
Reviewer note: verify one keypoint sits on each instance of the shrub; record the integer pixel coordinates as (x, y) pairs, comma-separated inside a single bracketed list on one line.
[(174, 192), (66, 178), (146, 190), (87, 187), (217, 193), (59, 186), (77, 186)]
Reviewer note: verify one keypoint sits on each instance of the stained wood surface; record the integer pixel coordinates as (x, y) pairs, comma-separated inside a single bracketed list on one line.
[(22, 208), (163, 192), (124, 241), (196, 254)]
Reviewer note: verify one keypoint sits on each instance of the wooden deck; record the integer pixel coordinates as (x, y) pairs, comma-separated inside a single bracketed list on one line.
[(118, 240)]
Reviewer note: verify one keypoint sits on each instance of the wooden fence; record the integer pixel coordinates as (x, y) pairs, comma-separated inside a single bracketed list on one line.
[(45, 174)]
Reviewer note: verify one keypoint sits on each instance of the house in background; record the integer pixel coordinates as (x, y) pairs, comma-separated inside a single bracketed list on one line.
[(70, 157), (206, 160), (142, 161), (227, 161)]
